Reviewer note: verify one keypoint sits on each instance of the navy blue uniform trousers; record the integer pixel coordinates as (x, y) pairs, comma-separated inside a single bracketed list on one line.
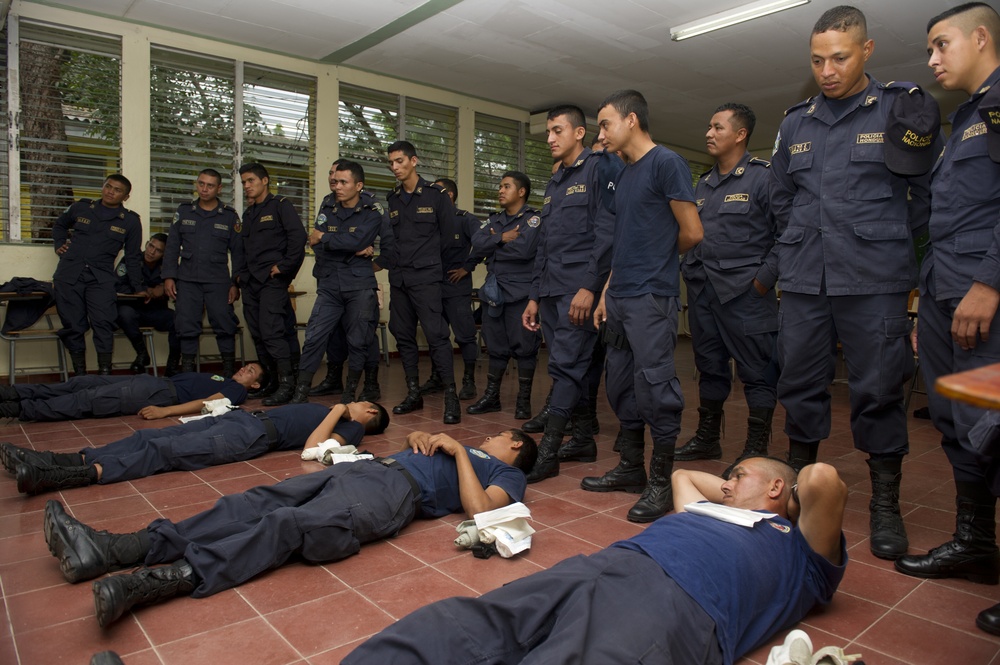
[(84, 304), (93, 396), (571, 349), (133, 317), (267, 308), (421, 302), (199, 444), (457, 312), (616, 606), (323, 516), (193, 298), (506, 338), (334, 310)]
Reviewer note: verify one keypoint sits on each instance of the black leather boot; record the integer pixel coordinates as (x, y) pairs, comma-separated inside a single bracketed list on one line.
[(141, 361), (582, 447), (173, 363), (85, 553), (189, 362), (104, 364), (286, 385), (434, 383), (228, 365), (35, 478), (332, 383), (452, 407), (657, 499), (989, 620), (79, 360), (11, 455), (270, 383), (972, 552), (351, 386), (537, 424), (522, 407), (302, 386), (413, 401), (758, 433), (630, 474), (802, 453), (106, 658), (468, 383), (490, 401), (705, 442), (547, 463), (371, 391), (887, 539), (116, 595)]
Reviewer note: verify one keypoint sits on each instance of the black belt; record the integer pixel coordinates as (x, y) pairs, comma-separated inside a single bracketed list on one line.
[(414, 486), (272, 431), (173, 391)]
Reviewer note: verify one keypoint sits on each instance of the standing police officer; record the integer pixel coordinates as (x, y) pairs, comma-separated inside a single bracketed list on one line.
[(509, 240), (274, 247), (573, 260), (418, 211), (846, 261), (345, 280), (732, 308), (154, 312), (204, 235), (87, 238)]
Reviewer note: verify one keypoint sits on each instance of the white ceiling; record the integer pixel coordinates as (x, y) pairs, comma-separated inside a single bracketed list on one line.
[(534, 54)]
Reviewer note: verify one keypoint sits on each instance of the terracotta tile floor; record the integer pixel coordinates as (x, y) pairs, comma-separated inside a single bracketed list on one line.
[(316, 614)]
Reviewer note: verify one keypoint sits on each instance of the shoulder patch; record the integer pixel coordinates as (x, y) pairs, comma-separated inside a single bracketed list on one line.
[(377, 207), (534, 221), (478, 453), (216, 377), (122, 269), (177, 217)]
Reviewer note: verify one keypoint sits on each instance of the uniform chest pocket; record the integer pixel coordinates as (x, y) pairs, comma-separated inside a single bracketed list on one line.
[(734, 222), (868, 179), (799, 162), (973, 177)]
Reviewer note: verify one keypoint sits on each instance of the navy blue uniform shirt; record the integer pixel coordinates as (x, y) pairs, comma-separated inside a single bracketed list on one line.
[(417, 219), (198, 385), (151, 277), (295, 422), (272, 235), (200, 241), (512, 262), (347, 231), (97, 234), (456, 251)]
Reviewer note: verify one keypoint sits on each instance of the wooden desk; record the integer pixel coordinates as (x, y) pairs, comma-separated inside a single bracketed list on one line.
[(6, 296), (978, 387)]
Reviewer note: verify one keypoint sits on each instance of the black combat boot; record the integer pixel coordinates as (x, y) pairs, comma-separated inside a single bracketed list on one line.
[(490, 401), (33, 478), (85, 553), (332, 383), (802, 453), (116, 595), (630, 474), (104, 364), (468, 382), (79, 360), (434, 383), (887, 534), (758, 433), (371, 391), (705, 443), (189, 362), (547, 463), (351, 386), (972, 552), (11, 455), (525, 379), (657, 499), (452, 407), (228, 364), (270, 383), (413, 401), (302, 386), (582, 447), (141, 361), (286, 385), (173, 363), (537, 424)]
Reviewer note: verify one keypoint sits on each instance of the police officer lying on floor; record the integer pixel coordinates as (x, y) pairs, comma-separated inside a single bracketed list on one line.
[(151, 397), (322, 517), (232, 437), (691, 588)]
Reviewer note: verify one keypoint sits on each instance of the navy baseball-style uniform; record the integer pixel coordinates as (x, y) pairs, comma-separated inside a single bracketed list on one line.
[(134, 315), (846, 263), (272, 235), (512, 264), (197, 257), (84, 280)]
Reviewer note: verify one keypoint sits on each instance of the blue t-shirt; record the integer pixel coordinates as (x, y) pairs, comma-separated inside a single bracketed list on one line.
[(753, 582), (437, 476), (644, 255), (197, 385), (295, 422)]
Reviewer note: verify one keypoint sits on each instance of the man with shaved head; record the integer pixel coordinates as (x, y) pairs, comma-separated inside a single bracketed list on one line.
[(960, 286)]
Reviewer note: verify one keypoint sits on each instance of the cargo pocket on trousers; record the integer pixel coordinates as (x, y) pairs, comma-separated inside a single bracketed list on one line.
[(897, 355)]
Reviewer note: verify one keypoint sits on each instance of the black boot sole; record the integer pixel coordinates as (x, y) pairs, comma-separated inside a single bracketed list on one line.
[(107, 607), (480, 411), (977, 578)]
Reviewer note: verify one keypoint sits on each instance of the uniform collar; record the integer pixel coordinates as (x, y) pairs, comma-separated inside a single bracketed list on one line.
[(991, 80), (820, 109), (715, 178), (421, 184)]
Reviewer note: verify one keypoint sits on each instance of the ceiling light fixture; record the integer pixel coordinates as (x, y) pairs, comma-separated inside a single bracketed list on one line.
[(732, 17)]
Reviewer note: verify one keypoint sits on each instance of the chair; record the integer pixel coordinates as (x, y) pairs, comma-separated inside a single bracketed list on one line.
[(43, 331)]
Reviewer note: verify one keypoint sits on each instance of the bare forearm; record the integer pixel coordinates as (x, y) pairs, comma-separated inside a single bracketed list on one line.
[(690, 486), (474, 497), (325, 429)]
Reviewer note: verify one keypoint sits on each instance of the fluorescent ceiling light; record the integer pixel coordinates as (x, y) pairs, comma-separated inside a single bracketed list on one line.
[(732, 17)]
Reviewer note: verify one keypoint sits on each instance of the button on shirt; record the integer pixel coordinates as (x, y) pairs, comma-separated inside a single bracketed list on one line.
[(98, 233), (512, 262), (347, 231), (200, 241), (416, 219)]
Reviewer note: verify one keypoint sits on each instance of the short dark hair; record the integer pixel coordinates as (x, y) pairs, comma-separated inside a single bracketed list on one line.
[(521, 180), (842, 19), (629, 101), (212, 173), (256, 169), (162, 237), (980, 13), (356, 170), (378, 424), (448, 185), (573, 113), (528, 454), (404, 147), (122, 180), (263, 377), (743, 116)]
